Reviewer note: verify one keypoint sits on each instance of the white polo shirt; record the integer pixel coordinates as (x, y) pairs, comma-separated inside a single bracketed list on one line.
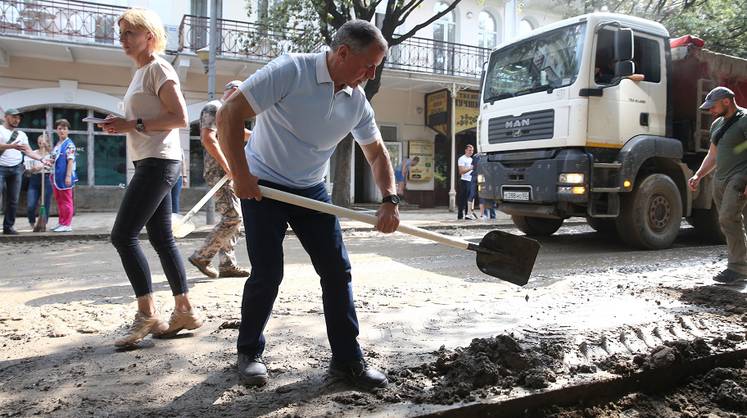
[(300, 119), (11, 157)]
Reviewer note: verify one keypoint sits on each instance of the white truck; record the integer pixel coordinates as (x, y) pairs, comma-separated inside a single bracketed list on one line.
[(597, 116)]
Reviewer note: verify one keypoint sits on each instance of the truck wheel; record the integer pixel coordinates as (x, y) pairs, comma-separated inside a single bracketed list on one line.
[(537, 227), (602, 225), (705, 222), (650, 216)]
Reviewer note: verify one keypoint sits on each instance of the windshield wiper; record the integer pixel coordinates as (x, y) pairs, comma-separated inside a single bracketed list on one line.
[(500, 97), (544, 87)]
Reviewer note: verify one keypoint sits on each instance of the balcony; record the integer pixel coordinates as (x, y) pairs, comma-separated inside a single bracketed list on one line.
[(68, 21), (250, 41)]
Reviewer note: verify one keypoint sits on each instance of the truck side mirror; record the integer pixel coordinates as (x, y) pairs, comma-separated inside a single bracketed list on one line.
[(624, 68), (623, 44)]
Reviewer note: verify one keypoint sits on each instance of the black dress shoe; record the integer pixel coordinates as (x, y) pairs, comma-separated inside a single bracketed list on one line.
[(252, 370), (358, 373), (10, 231)]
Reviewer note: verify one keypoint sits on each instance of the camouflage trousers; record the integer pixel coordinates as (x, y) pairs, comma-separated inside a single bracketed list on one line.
[(224, 236)]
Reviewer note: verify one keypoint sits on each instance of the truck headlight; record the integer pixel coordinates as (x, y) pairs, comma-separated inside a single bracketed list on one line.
[(480, 179), (571, 178)]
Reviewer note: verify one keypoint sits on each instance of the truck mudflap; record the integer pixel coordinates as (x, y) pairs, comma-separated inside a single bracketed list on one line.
[(531, 178)]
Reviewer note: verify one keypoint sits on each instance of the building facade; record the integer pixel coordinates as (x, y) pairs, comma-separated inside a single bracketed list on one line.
[(62, 59)]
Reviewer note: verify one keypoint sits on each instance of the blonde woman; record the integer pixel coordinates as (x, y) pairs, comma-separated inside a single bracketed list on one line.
[(154, 112), (37, 170)]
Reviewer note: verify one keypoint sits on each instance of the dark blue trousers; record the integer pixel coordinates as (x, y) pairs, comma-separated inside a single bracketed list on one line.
[(10, 183), (265, 224)]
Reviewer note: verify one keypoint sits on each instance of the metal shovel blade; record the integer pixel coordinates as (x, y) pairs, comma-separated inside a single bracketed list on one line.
[(179, 228), (506, 256)]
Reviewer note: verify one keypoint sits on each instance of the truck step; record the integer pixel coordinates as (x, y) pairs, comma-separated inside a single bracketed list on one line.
[(605, 189), (608, 165)]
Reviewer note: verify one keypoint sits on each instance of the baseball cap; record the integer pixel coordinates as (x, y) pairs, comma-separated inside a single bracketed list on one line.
[(715, 95), (12, 111), (231, 84)]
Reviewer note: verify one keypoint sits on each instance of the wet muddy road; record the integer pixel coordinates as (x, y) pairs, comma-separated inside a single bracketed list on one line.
[(591, 306)]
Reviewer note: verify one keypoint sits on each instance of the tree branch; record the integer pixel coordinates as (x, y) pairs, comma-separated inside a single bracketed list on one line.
[(417, 4), (414, 30)]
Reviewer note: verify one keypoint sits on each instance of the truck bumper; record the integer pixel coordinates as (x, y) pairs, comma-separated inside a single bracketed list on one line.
[(527, 182)]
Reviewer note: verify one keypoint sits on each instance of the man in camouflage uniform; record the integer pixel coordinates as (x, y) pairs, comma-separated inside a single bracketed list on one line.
[(225, 234)]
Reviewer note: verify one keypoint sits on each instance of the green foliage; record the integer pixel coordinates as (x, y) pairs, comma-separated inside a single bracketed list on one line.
[(720, 23)]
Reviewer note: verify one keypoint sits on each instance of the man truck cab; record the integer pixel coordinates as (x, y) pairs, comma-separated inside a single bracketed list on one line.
[(577, 119)]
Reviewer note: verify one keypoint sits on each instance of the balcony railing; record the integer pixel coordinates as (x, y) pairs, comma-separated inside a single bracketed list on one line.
[(252, 41), (71, 20)]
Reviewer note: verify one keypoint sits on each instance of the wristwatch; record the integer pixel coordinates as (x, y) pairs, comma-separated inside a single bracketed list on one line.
[(139, 125), (392, 198)]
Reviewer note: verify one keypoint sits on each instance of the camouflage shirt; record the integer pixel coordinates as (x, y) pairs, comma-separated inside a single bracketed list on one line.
[(212, 171)]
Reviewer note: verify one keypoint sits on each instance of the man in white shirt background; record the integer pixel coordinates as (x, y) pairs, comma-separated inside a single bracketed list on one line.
[(14, 144), (464, 165)]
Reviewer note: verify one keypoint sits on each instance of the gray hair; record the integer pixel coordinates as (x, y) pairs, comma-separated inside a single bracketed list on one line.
[(358, 35)]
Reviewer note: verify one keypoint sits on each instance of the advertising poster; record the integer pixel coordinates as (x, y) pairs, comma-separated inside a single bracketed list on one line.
[(421, 165)]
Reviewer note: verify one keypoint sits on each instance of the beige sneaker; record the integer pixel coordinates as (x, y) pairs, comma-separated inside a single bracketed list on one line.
[(179, 321), (204, 266), (234, 271), (140, 328)]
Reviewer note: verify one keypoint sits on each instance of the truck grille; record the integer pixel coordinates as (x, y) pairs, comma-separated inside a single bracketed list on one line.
[(525, 127)]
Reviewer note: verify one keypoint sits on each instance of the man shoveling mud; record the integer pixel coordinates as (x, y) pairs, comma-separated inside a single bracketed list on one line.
[(728, 132), (305, 105)]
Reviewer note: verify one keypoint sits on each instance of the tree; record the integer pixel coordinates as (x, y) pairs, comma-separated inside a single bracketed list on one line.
[(317, 20), (720, 23)]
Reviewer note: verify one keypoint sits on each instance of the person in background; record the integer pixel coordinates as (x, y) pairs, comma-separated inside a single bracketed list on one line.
[(154, 112), (38, 173), (485, 205), (63, 176), (464, 165), (14, 144), (728, 133)]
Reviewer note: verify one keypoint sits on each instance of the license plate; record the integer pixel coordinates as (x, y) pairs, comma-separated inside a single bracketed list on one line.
[(515, 195)]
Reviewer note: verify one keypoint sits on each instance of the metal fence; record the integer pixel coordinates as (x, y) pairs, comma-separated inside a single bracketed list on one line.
[(60, 20), (253, 41)]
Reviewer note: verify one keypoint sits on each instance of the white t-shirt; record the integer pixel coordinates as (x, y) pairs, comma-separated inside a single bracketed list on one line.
[(465, 161), (11, 157), (141, 101)]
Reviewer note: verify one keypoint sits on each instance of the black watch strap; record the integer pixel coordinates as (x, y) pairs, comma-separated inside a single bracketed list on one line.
[(392, 198)]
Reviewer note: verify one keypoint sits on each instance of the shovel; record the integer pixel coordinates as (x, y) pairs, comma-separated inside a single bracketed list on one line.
[(41, 221), (181, 225), (500, 254)]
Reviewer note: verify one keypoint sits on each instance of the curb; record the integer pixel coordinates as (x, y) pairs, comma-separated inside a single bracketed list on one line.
[(201, 234)]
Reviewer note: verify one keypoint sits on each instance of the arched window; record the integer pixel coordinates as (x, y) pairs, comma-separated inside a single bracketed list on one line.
[(101, 157), (525, 26), (487, 31)]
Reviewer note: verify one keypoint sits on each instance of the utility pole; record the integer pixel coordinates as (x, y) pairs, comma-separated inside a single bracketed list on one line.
[(212, 45)]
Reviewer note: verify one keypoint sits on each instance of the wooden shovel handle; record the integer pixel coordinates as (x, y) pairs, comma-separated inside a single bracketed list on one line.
[(204, 199), (357, 216)]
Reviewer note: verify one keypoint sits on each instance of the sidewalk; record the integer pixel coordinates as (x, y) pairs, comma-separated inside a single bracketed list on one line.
[(97, 225)]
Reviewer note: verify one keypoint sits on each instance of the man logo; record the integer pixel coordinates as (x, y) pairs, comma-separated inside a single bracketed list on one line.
[(517, 123)]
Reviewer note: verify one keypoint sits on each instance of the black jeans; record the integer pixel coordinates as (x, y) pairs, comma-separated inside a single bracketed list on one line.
[(463, 198), (265, 223), (147, 202), (10, 182)]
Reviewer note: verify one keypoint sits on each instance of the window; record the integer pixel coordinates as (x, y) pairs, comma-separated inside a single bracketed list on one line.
[(525, 26), (487, 31), (444, 30), (109, 160), (196, 157), (647, 59), (388, 133)]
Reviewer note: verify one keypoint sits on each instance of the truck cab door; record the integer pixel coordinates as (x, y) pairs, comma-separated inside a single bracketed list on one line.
[(623, 108)]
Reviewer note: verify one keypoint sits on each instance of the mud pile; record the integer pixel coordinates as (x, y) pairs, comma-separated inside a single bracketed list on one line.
[(721, 392), (671, 352), (720, 297), (488, 366)]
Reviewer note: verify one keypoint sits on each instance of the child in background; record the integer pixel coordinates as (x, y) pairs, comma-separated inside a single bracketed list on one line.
[(63, 176)]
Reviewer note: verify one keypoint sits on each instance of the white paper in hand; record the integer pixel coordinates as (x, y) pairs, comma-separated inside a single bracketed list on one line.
[(93, 120)]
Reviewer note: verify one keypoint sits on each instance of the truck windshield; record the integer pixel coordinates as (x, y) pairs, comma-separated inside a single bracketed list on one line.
[(542, 63)]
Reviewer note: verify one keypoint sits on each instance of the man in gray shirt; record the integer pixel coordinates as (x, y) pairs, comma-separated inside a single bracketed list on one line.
[(725, 155), (305, 105)]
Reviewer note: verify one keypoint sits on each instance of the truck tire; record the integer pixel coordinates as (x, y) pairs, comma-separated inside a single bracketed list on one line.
[(536, 227), (602, 225), (650, 215)]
